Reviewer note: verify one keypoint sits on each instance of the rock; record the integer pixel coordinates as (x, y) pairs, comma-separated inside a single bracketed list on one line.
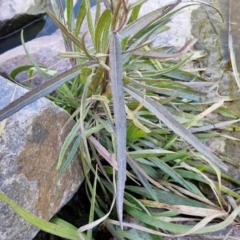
[(43, 50), (29, 150), (15, 14), (180, 24)]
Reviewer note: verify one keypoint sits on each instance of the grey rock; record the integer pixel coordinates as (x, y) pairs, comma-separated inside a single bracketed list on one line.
[(180, 25), (44, 51), (13, 8), (29, 148), (15, 14)]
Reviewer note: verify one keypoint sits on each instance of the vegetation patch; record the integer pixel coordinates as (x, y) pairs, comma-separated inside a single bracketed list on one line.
[(142, 117)]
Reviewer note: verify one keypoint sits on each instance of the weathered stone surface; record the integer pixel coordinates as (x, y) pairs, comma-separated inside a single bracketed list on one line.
[(43, 50), (13, 8), (180, 25), (15, 14), (211, 33), (29, 150)]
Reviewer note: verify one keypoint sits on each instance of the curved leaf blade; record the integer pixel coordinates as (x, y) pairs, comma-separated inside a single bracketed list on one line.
[(41, 91), (44, 225), (163, 115), (143, 22)]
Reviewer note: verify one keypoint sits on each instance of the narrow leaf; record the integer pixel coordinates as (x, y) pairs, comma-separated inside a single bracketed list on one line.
[(119, 115), (163, 115), (168, 170), (70, 156), (93, 202), (146, 20), (41, 91), (31, 59), (135, 167), (44, 225)]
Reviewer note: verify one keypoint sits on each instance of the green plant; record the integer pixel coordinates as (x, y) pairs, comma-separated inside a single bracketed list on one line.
[(129, 103)]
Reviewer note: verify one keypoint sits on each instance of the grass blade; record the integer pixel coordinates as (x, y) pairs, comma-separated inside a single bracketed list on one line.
[(70, 156), (46, 226), (164, 116), (142, 178), (90, 20), (93, 202), (233, 58), (31, 59), (167, 197), (172, 173), (102, 25), (70, 17), (136, 26)]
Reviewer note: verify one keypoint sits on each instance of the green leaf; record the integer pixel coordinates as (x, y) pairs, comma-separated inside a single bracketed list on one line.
[(180, 92), (69, 139), (149, 153), (182, 154), (163, 115), (102, 31), (182, 75), (70, 15), (66, 33), (64, 232), (153, 221), (135, 167), (93, 200), (63, 223), (98, 11), (179, 228), (135, 12), (70, 156), (167, 197), (172, 173), (18, 70), (134, 133), (163, 18), (128, 235), (80, 17), (31, 59)]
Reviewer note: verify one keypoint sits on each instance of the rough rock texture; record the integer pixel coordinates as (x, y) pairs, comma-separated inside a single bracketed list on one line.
[(15, 13), (14, 8), (212, 37), (29, 150), (180, 25), (43, 50)]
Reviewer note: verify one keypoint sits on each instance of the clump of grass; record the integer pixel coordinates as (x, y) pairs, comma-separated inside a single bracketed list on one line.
[(136, 111)]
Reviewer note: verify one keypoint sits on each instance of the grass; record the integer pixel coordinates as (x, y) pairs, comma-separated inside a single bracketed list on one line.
[(141, 121)]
